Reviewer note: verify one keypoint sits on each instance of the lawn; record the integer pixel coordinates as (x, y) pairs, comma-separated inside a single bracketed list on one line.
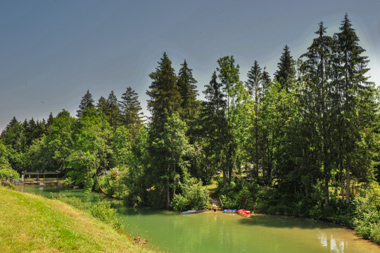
[(31, 223)]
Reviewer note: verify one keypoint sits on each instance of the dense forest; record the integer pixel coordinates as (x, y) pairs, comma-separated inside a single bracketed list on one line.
[(311, 130)]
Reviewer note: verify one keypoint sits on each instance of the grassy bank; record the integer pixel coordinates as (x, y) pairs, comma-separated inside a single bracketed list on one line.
[(30, 223)]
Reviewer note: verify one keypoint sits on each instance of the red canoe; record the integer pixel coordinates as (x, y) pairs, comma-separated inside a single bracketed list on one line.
[(243, 212)]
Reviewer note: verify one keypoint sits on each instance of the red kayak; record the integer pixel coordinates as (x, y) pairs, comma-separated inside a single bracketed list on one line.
[(244, 212)]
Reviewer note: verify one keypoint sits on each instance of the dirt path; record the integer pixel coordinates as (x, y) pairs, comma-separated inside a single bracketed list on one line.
[(214, 202)]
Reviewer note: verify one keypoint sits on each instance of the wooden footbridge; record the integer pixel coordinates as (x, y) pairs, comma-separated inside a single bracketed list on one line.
[(38, 177)]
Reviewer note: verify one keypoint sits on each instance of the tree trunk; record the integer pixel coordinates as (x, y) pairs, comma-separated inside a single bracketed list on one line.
[(348, 183), (326, 189), (167, 192)]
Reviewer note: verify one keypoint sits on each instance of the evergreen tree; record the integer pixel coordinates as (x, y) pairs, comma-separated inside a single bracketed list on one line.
[(286, 72), (86, 103), (102, 105), (213, 129), (50, 120), (317, 71), (131, 115), (234, 89), (165, 98), (358, 105), (188, 90), (255, 76), (113, 111)]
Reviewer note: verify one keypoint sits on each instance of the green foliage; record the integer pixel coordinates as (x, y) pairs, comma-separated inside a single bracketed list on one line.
[(85, 104), (367, 217), (105, 213), (165, 98), (131, 115), (239, 195), (67, 182), (194, 194), (72, 201), (180, 203), (88, 185), (113, 184), (7, 171)]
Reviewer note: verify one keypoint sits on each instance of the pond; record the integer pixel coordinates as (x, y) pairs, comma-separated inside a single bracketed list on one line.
[(220, 232)]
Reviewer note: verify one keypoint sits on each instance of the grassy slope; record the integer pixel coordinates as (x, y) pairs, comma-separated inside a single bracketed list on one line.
[(30, 223)]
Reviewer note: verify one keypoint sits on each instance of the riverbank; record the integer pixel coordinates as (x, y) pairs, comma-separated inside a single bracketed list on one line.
[(31, 223)]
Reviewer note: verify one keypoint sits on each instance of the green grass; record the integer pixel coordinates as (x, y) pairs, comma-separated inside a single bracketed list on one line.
[(31, 223)]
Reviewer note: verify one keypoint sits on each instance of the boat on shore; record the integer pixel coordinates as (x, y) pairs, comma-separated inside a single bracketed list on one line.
[(229, 210), (195, 211), (244, 212)]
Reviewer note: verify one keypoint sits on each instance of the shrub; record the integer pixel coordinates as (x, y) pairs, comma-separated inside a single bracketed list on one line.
[(6, 172), (67, 182), (179, 203), (73, 201), (89, 183), (194, 195), (105, 213), (367, 217)]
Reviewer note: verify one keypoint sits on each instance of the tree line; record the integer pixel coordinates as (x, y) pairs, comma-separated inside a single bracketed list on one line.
[(312, 126)]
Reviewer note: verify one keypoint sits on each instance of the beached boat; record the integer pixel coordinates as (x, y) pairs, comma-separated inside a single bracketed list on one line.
[(195, 211), (244, 212), (230, 210)]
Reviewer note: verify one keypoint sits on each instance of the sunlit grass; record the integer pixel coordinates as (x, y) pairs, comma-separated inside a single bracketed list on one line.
[(30, 223)]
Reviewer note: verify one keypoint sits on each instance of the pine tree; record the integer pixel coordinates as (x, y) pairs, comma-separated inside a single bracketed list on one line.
[(165, 101), (358, 105), (102, 105), (266, 80), (234, 89), (86, 103), (165, 98), (317, 72), (286, 72), (113, 111), (214, 127), (188, 90), (131, 115)]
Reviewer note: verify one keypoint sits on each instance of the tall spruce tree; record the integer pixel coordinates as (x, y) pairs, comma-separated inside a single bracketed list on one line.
[(188, 90), (102, 105), (358, 105), (165, 101), (131, 115), (86, 103), (317, 71), (286, 72), (113, 111), (214, 128), (254, 86), (165, 97)]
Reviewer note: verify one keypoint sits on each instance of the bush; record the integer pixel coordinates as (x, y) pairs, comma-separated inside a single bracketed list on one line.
[(6, 172), (179, 203), (89, 183), (194, 195), (105, 213), (113, 184), (367, 217), (73, 201), (67, 182), (240, 194)]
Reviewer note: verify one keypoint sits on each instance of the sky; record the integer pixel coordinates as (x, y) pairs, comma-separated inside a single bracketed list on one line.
[(52, 52)]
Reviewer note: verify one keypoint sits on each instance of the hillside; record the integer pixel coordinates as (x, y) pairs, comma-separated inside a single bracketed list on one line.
[(30, 223)]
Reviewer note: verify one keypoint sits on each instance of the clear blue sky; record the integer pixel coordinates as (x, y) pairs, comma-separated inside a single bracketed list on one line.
[(52, 52)]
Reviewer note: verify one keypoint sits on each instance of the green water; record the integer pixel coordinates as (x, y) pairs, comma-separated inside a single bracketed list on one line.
[(220, 232)]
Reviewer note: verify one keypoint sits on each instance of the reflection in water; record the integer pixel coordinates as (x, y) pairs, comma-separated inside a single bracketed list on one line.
[(336, 245), (219, 232)]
